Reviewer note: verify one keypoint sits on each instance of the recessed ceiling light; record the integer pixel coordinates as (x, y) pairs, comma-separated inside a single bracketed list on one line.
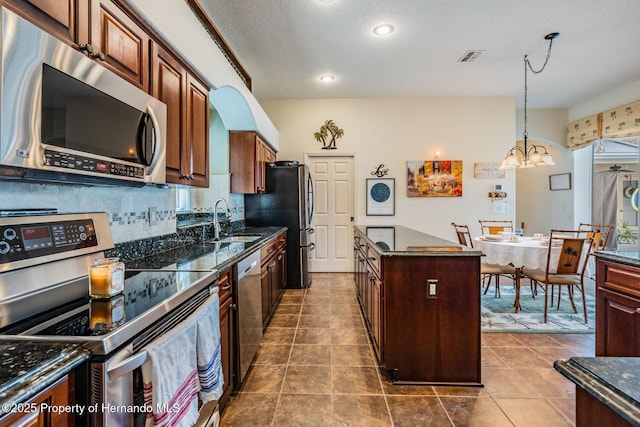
[(383, 29), (327, 78)]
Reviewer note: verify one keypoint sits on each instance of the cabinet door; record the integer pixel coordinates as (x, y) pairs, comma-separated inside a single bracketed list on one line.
[(168, 83), (376, 316), (56, 395), (197, 133), (227, 328), (242, 162), (57, 17), (266, 297), (261, 160), (274, 286), (123, 44), (618, 326)]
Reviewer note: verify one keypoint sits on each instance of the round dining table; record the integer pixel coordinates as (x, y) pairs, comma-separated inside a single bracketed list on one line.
[(523, 252)]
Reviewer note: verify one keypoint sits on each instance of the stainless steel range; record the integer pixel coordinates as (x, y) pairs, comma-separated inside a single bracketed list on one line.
[(44, 264)]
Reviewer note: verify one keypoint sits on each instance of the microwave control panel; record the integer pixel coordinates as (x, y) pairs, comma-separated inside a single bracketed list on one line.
[(76, 162), (23, 241)]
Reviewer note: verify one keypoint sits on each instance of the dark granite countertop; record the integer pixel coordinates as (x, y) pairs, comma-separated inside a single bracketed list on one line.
[(614, 381), (28, 368), (219, 256), (623, 257), (390, 240)]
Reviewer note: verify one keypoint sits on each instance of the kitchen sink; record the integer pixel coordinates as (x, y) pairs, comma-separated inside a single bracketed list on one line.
[(240, 238)]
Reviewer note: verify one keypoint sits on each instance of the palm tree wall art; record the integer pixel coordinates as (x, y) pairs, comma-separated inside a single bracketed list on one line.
[(329, 128)]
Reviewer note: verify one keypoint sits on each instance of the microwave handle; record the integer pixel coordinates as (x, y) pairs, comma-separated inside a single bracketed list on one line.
[(157, 137)]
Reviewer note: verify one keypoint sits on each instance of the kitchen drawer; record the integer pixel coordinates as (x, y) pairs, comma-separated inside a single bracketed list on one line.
[(374, 258), (268, 250), (281, 240), (224, 285), (622, 278)]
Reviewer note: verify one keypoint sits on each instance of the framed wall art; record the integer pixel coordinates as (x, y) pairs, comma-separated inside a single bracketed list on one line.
[(434, 178), (561, 181), (381, 196)]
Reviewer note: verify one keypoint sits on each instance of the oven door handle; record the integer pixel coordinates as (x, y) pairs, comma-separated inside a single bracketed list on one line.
[(127, 365)]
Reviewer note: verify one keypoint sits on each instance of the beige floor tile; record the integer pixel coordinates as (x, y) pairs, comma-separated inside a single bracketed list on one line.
[(307, 379), (551, 354), (500, 340), (273, 354), (278, 335), (520, 357), (505, 382), (403, 390), (346, 322), (305, 354), (349, 337), (417, 411), (355, 380), (316, 309), (288, 309), (264, 379), (284, 320), (352, 355), (532, 412), (490, 359), (315, 321), (304, 410), (315, 336), (317, 299), (549, 382), (474, 411), (361, 411), (249, 409), (567, 407), (460, 391)]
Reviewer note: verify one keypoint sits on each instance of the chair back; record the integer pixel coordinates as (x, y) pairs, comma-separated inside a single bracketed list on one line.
[(463, 233), (603, 229), (490, 226), (573, 257)]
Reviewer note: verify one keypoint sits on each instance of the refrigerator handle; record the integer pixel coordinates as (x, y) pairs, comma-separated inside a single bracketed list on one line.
[(311, 246), (310, 230), (311, 196)]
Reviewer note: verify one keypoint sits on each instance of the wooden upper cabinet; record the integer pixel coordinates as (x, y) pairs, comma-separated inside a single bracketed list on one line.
[(98, 28), (57, 17), (120, 43), (248, 156), (187, 119)]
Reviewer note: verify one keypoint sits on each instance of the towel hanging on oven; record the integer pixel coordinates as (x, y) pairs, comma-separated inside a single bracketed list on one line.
[(170, 377), (208, 349)]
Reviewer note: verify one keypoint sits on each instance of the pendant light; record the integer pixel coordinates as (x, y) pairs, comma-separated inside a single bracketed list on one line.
[(531, 156)]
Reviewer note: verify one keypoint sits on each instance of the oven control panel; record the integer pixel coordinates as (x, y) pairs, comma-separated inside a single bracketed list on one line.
[(23, 241)]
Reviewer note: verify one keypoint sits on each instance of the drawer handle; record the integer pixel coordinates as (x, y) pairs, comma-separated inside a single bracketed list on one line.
[(226, 287), (371, 258), (637, 310)]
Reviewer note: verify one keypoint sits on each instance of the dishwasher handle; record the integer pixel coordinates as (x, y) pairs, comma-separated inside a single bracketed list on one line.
[(243, 273)]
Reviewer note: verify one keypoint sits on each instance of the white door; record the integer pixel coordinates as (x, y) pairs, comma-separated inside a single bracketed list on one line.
[(333, 213)]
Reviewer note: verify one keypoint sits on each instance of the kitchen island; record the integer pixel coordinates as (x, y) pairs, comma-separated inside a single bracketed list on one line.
[(420, 296), (607, 389)]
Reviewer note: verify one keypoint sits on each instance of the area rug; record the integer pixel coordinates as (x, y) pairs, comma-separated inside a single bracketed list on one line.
[(497, 313)]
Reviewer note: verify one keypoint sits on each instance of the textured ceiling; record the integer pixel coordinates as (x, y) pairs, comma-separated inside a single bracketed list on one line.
[(285, 45)]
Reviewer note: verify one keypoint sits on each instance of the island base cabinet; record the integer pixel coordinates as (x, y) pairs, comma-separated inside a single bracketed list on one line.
[(432, 338), (591, 412)]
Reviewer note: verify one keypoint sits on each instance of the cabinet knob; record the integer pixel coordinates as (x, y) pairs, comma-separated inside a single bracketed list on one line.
[(233, 306), (98, 56), (226, 287), (86, 48)]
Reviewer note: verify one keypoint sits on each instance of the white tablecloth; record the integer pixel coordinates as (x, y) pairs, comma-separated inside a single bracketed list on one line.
[(526, 252)]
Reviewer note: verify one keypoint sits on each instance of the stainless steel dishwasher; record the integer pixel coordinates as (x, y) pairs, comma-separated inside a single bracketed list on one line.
[(249, 312)]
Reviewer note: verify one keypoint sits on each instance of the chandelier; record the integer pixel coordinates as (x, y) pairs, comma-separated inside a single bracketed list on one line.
[(533, 155)]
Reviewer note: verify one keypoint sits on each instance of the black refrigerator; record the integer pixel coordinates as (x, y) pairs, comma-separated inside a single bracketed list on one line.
[(288, 202)]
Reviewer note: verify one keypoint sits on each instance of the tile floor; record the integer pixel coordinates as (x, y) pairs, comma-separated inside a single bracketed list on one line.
[(315, 368)]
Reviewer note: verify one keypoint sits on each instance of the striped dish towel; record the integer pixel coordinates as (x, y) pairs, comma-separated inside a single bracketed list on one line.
[(208, 350), (170, 378)]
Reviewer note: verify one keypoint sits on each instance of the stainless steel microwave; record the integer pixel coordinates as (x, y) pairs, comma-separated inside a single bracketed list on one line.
[(66, 118)]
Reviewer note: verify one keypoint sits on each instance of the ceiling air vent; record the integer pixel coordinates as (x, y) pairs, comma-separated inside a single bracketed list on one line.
[(470, 55)]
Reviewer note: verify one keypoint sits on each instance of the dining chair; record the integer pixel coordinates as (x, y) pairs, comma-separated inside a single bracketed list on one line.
[(568, 270), (487, 271), (604, 229), (494, 226)]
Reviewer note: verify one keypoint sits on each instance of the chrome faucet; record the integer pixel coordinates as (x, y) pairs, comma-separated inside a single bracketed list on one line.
[(216, 222)]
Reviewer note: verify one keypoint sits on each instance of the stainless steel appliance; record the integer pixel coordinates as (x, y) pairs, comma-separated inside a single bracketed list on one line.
[(288, 202), (44, 261), (66, 118), (249, 312)]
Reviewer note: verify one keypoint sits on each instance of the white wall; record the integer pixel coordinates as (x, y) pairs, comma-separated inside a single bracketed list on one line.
[(393, 131)]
